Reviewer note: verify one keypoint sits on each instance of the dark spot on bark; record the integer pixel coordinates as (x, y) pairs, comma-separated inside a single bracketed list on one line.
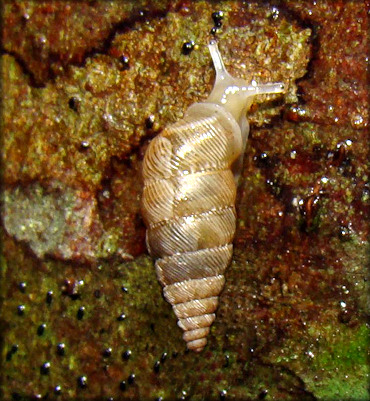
[(163, 356), (262, 395), (57, 390), (344, 316), (121, 317), (217, 17), (223, 395), (82, 381), (22, 286), (45, 368), (149, 121), (80, 313), (41, 329), (49, 297), (126, 355), (187, 47), (125, 63), (122, 385), (156, 366), (14, 348), (73, 103), (20, 310), (11, 352), (107, 352), (84, 145), (61, 349), (263, 160)]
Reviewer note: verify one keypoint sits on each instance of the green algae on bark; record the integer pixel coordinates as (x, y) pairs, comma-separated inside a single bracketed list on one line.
[(335, 361), (113, 318)]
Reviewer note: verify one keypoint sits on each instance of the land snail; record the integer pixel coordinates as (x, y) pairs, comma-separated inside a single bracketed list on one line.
[(190, 173)]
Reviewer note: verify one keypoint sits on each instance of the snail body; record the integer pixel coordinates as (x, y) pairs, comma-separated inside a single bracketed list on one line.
[(190, 173)]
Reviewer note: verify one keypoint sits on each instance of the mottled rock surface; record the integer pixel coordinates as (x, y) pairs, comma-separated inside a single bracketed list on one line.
[(86, 85)]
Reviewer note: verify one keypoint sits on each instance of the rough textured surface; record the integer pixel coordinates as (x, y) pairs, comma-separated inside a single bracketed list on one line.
[(82, 316), (46, 36), (83, 131)]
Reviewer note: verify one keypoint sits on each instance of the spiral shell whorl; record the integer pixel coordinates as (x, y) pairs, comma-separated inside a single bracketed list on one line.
[(188, 206), (195, 300)]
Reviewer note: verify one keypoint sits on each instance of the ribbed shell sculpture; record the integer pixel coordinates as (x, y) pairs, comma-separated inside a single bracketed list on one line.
[(190, 173)]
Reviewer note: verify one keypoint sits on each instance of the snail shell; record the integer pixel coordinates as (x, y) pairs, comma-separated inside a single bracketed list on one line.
[(190, 173)]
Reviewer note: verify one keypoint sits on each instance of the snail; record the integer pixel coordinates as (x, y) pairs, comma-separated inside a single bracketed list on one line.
[(190, 173)]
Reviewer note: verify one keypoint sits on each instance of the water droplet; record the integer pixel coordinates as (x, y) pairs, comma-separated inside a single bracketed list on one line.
[(324, 180), (310, 354), (345, 289), (274, 13), (357, 121), (344, 233), (106, 194)]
